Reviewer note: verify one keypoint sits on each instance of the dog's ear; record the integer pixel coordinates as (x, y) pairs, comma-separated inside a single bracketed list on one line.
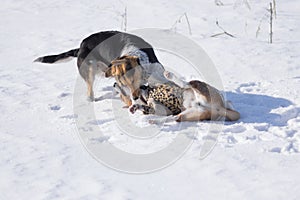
[(134, 60), (120, 66), (117, 68)]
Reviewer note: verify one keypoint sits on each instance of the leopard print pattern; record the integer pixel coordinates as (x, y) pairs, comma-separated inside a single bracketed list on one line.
[(170, 96)]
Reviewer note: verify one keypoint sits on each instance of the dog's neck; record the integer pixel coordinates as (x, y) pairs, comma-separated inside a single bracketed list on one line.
[(131, 50), (154, 73)]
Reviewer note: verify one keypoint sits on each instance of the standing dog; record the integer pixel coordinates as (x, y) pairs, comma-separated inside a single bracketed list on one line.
[(98, 51)]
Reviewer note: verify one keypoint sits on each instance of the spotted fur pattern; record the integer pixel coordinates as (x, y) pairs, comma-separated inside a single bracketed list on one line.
[(170, 96)]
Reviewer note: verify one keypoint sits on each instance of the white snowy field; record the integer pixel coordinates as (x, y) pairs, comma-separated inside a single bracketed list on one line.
[(257, 157)]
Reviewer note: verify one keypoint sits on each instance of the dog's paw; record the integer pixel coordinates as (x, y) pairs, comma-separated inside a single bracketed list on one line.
[(159, 121), (152, 121), (168, 75), (98, 99), (90, 99), (155, 121), (134, 108)]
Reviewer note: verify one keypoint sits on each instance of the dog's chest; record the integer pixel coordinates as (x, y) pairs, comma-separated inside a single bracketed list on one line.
[(169, 96)]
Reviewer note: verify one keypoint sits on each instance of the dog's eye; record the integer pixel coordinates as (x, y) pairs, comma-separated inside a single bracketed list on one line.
[(128, 67)]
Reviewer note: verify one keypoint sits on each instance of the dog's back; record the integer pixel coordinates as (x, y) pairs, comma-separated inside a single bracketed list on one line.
[(109, 45)]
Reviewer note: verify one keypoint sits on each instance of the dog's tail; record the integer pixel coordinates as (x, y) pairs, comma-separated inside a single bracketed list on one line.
[(228, 113), (232, 115), (55, 58)]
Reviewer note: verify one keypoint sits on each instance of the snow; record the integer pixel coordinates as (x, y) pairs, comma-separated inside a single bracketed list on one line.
[(42, 156)]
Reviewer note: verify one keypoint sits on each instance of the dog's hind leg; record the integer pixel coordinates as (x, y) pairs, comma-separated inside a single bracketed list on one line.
[(229, 114), (164, 119), (172, 77), (90, 82)]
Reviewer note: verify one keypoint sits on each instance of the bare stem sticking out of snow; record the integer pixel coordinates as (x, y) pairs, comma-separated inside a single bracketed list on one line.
[(240, 2), (219, 3), (222, 33), (184, 15), (271, 23), (124, 20), (259, 26), (274, 9)]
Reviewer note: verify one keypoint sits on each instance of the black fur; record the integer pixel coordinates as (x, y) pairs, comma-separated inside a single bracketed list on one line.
[(108, 45), (103, 46), (54, 58)]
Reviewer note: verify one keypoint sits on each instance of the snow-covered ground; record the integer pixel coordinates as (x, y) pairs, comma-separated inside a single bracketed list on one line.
[(256, 157)]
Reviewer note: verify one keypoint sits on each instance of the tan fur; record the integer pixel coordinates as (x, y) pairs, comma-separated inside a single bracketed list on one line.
[(126, 100), (128, 73), (90, 81), (218, 106)]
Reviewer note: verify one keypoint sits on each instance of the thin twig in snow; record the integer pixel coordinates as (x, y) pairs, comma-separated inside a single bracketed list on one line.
[(179, 21), (124, 20), (240, 3), (219, 3), (224, 32), (274, 9), (271, 23)]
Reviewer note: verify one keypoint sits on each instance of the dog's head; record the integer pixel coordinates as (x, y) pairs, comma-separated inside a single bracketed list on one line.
[(128, 73)]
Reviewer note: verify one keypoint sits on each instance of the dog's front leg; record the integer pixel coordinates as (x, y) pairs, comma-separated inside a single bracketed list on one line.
[(118, 88), (126, 99), (163, 120), (172, 77), (158, 108), (145, 109)]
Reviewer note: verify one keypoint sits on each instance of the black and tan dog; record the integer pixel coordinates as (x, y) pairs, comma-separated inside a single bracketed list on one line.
[(186, 101), (98, 51), (129, 76)]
